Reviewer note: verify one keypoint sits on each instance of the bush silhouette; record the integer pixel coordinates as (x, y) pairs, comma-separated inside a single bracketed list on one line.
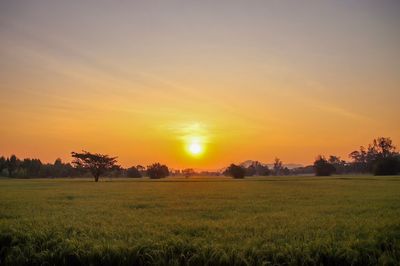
[(157, 170), (235, 171)]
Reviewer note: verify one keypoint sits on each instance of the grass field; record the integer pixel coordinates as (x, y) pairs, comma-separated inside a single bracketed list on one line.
[(214, 221)]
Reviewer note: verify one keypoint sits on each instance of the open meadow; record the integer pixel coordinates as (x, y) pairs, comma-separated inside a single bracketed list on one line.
[(215, 221)]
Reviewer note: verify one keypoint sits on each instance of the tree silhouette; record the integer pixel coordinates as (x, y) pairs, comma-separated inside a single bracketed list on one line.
[(359, 163), (278, 166), (339, 164), (12, 164), (322, 167), (141, 169), (257, 168), (380, 157), (157, 170), (188, 172), (386, 166), (133, 172), (382, 148), (32, 167), (3, 164), (96, 163), (236, 171)]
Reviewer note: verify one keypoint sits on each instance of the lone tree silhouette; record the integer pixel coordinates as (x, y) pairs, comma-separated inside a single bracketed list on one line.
[(97, 164)]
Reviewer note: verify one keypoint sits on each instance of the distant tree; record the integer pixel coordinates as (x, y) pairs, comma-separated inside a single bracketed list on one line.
[(285, 171), (188, 172), (32, 167), (175, 172), (97, 164), (250, 170), (157, 170), (382, 148), (278, 167), (141, 169), (58, 168), (235, 171), (12, 165), (322, 167), (3, 164), (257, 168), (340, 165), (359, 163), (261, 170), (386, 166), (376, 157), (133, 172)]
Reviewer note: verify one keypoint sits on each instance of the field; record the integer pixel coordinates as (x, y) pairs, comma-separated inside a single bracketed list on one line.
[(214, 221)]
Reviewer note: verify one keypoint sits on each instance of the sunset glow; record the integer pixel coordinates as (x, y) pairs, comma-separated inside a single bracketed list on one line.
[(197, 84)]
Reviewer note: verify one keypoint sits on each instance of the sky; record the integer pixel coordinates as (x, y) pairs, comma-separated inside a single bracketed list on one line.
[(239, 80)]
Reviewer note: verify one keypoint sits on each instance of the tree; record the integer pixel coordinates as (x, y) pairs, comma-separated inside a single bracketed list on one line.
[(32, 167), (97, 164), (261, 170), (278, 166), (380, 154), (257, 168), (382, 148), (322, 167), (386, 166), (141, 169), (3, 164), (58, 168), (157, 170), (339, 164), (250, 170), (285, 171), (188, 172), (133, 172), (359, 163), (235, 171), (11, 164)]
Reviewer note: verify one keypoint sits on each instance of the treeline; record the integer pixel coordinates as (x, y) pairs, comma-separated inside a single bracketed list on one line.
[(87, 164), (15, 167), (34, 168), (379, 158)]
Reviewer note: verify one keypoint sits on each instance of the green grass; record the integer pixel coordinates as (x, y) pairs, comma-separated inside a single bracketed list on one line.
[(214, 221)]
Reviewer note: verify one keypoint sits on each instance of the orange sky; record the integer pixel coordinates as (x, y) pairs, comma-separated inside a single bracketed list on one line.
[(247, 80)]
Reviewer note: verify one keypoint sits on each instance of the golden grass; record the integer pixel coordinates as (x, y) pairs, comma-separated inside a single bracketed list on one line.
[(277, 220)]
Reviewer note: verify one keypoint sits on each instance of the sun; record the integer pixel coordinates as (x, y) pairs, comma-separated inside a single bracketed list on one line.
[(195, 148), (195, 139)]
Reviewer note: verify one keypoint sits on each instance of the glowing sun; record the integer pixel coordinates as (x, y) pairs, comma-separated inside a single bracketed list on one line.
[(195, 148)]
